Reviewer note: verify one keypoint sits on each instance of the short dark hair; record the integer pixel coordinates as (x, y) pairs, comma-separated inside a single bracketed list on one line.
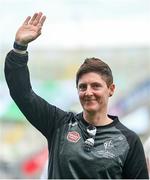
[(95, 65)]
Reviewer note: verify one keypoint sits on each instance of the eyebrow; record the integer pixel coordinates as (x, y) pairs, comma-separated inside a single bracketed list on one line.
[(93, 83)]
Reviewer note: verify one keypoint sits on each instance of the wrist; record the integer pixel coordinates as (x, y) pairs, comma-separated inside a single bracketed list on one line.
[(19, 46)]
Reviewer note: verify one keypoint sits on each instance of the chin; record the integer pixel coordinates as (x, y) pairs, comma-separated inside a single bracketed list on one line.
[(91, 109)]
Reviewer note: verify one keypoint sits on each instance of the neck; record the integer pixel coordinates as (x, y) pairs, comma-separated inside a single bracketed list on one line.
[(97, 119)]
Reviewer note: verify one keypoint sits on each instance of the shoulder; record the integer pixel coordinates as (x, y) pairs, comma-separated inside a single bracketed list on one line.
[(130, 135)]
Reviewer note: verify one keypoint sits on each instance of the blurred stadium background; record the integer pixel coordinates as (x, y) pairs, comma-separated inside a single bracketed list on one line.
[(113, 30)]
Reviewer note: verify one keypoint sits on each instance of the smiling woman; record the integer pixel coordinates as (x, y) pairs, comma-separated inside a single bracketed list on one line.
[(94, 94), (88, 145), (94, 81)]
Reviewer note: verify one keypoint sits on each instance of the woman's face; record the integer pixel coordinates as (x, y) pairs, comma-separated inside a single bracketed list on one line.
[(93, 92)]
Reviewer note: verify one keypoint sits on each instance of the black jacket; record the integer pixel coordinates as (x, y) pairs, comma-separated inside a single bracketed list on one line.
[(117, 152)]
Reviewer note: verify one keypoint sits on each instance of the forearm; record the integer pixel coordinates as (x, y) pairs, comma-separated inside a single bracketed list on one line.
[(17, 74)]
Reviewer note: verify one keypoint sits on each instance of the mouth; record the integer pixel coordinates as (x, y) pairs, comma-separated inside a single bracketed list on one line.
[(89, 100)]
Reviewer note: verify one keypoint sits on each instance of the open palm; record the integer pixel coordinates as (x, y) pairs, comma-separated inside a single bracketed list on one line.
[(30, 29)]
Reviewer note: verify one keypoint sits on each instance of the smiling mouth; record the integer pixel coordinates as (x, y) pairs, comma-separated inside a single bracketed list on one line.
[(89, 100)]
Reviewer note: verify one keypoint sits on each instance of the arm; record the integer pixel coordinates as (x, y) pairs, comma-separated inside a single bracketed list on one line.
[(135, 165), (40, 113)]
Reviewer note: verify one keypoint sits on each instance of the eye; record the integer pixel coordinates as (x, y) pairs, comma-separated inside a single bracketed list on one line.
[(82, 87), (96, 86)]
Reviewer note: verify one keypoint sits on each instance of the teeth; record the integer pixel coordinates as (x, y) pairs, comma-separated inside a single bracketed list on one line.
[(90, 99)]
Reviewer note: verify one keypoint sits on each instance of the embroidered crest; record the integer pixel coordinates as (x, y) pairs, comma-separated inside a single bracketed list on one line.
[(73, 136)]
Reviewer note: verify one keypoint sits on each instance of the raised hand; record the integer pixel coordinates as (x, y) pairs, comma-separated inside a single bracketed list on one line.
[(30, 29)]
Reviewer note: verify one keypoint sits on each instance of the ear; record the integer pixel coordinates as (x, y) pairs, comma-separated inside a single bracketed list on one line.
[(111, 89)]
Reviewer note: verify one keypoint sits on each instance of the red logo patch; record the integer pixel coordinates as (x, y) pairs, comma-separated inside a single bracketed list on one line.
[(73, 136)]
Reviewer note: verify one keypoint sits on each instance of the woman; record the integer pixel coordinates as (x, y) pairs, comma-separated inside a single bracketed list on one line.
[(88, 145)]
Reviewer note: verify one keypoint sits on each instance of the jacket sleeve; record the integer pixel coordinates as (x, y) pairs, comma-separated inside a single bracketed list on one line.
[(44, 116), (135, 166)]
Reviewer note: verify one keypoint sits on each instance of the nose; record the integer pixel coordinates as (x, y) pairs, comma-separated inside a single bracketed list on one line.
[(88, 91)]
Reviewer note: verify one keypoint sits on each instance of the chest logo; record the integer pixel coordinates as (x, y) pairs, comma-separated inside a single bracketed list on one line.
[(108, 145), (73, 136)]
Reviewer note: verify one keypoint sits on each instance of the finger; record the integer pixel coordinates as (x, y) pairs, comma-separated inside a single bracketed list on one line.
[(42, 21), (39, 16), (33, 18), (37, 19), (27, 20)]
